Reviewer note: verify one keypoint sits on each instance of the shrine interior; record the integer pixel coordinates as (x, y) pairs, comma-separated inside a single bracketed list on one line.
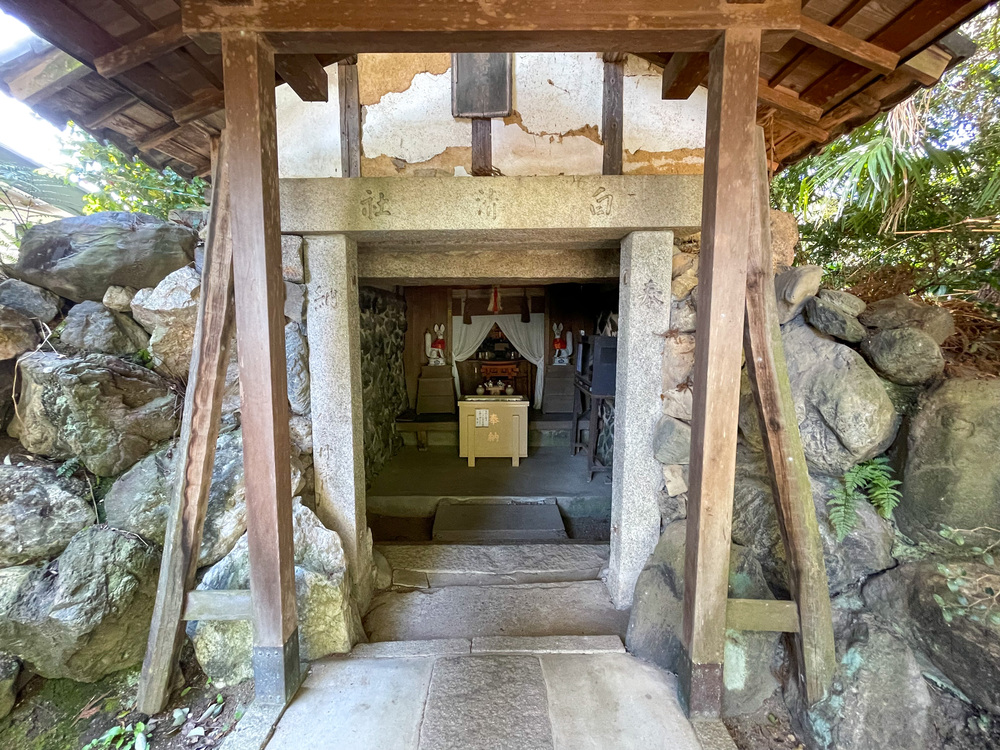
[(521, 377)]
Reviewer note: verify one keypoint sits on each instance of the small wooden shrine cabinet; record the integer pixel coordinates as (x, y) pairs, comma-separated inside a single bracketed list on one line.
[(493, 426)]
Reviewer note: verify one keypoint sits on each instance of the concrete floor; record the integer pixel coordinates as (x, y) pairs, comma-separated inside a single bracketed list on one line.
[(438, 471), (497, 701)]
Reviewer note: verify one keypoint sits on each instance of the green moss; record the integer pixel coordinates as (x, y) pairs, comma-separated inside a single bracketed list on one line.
[(47, 716)]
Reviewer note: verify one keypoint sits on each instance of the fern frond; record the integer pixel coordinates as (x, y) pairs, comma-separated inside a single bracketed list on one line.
[(843, 510)]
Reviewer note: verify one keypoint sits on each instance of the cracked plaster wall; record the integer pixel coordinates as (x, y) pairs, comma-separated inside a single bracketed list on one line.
[(555, 128)]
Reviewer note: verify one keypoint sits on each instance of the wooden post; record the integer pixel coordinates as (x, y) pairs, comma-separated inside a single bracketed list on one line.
[(786, 459), (726, 226), (612, 116), (482, 147), (248, 69), (350, 117), (196, 449)]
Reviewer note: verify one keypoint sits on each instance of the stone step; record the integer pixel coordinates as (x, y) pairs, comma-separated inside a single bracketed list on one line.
[(434, 565), (498, 522), (526, 610), (491, 644)]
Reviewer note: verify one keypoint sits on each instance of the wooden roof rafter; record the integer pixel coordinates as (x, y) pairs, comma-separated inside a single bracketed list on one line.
[(133, 57)]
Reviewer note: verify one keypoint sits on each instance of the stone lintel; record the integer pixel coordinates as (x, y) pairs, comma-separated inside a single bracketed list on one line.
[(459, 267), (500, 210)]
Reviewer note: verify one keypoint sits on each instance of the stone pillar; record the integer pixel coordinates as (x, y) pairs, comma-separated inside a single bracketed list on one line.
[(335, 373), (643, 319)]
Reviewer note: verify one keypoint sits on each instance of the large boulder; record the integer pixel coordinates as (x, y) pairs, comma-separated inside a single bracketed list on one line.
[(902, 312), (297, 361), (907, 356), (654, 628), (784, 238), (794, 287), (329, 622), (845, 415), (678, 369), (10, 670), (866, 550), (39, 513), (952, 476), (86, 614), (139, 501), (119, 298), (169, 313), (17, 334), (879, 699), (672, 441), (830, 318), (80, 257), (29, 300), (92, 327), (100, 409), (960, 639)]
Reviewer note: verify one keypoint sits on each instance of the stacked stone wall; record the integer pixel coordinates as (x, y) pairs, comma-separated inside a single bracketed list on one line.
[(383, 326)]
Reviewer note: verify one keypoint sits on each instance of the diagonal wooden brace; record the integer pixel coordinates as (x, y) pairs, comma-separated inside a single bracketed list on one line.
[(196, 451), (786, 459)]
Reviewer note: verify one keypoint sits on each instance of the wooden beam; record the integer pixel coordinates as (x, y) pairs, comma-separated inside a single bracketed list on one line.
[(159, 136), (455, 25), (683, 73), (767, 615), (141, 51), (203, 106), (199, 432), (218, 605), (305, 76), (248, 69), (113, 107), (784, 101), (802, 125), (52, 73), (612, 114), (482, 147), (848, 47), (928, 66), (790, 484), (350, 117), (727, 208)]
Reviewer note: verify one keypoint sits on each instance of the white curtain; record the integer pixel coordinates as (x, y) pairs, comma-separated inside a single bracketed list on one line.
[(465, 340), (527, 338)]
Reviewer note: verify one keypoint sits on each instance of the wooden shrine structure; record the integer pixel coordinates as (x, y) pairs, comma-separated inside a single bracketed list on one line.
[(162, 79)]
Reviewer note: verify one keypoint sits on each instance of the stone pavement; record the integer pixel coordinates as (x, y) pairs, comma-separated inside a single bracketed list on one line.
[(487, 694)]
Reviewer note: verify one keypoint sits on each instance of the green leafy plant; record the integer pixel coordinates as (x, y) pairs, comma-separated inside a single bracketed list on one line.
[(871, 481), (917, 189), (125, 183), (131, 737), (973, 596), (69, 467)]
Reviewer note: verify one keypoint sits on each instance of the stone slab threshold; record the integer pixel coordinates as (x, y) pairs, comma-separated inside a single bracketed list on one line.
[(556, 644), (495, 701), (498, 522), (425, 506), (542, 609), (435, 565)]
